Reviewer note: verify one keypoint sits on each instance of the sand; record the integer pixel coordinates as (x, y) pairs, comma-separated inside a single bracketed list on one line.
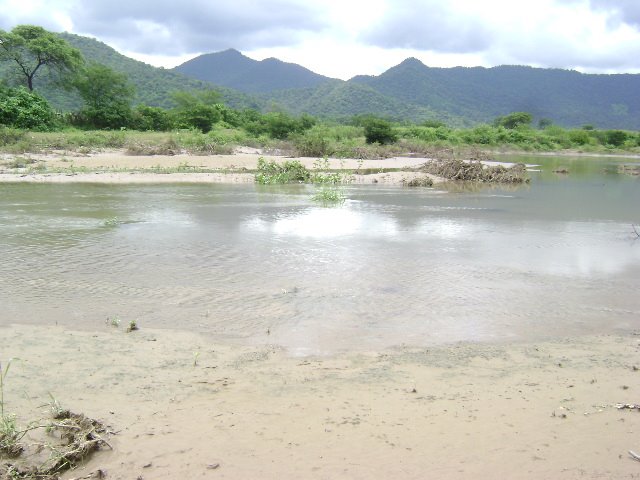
[(116, 167), (186, 406)]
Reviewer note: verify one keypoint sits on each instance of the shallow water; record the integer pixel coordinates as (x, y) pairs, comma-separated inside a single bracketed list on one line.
[(393, 265)]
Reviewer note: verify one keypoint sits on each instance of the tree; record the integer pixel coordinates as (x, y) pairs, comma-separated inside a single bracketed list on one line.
[(514, 120), (199, 109), (377, 130), (107, 95), (544, 123), (147, 118), (31, 47), (21, 108)]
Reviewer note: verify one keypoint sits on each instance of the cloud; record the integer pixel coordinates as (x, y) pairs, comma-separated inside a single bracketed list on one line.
[(197, 26), (174, 28), (625, 11), (584, 34), (429, 25)]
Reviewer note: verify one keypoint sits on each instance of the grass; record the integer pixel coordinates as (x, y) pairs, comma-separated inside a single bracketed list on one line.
[(272, 173), (328, 196), (70, 438), (10, 436)]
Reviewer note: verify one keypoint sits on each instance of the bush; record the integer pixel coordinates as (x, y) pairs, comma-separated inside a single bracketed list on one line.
[(377, 130), (288, 172), (146, 118), (615, 138), (21, 108)]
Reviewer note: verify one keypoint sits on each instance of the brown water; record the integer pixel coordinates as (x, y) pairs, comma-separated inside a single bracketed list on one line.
[(256, 264)]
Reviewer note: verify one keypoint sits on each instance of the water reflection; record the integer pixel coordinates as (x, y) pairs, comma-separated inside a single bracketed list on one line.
[(325, 223), (390, 266)]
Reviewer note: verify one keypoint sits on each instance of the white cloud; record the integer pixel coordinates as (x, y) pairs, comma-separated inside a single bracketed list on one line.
[(342, 38)]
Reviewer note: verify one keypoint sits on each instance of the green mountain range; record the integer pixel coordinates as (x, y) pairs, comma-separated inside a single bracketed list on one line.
[(409, 91), (232, 69), (413, 91)]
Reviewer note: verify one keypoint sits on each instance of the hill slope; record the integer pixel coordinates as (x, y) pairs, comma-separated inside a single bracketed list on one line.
[(153, 85), (480, 94), (409, 91), (231, 68)]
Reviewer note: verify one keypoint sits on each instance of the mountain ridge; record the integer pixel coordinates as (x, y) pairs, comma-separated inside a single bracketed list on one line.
[(230, 68), (408, 91)]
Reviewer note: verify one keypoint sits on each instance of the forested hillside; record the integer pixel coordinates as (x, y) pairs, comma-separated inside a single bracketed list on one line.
[(409, 91), (480, 94), (232, 69), (153, 86)]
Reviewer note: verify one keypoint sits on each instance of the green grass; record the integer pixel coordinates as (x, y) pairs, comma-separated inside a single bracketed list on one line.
[(329, 196), (272, 173)]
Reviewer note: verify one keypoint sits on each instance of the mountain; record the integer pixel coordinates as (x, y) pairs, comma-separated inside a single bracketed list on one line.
[(153, 85), (231, 68), (411, 91), (480, 94), (344, 99)]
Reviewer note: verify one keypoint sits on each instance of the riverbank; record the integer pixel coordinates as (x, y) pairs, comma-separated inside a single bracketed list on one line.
[(189, 406), (116, 167)]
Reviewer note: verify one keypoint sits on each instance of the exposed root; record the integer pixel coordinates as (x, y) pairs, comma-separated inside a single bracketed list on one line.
[(68, 442), (474, 170)]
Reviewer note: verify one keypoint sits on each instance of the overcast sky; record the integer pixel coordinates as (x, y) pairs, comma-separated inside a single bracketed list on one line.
[(342, 38)]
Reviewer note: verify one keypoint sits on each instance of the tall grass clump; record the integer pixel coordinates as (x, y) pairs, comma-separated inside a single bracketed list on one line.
[(10, 436)]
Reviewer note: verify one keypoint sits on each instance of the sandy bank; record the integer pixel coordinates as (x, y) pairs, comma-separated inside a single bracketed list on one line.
[(184, 406), (119, 168)]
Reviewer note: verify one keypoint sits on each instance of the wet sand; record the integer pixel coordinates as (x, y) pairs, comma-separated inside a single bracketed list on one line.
[(186, 406)]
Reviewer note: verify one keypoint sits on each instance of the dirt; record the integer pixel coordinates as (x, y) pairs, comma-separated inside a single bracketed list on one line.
[(189, 406)]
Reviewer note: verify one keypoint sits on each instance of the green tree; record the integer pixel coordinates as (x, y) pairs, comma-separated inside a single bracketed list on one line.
[(377, 130), (615, 138), (107, 96), (147, 118), (31, 47), (200, 109), (22, 108), (513, 120), (544, 123)]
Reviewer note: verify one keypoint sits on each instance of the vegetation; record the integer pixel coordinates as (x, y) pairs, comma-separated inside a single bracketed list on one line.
[(270, 173), (475, 171), (107, 97), (204, 121), (21, 108), (31, 49)]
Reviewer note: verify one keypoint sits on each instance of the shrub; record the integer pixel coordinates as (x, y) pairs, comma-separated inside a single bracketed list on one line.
[(377, 130), (288, 172), (21, 108), (615, 138), (146, 118)]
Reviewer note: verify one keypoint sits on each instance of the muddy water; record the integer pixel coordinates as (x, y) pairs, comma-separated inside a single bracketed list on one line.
[(252, 264)]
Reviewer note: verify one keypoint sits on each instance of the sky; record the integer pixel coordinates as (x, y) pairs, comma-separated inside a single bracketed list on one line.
[(343, 38)]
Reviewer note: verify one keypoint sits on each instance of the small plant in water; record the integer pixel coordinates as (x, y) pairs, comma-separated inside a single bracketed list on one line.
[(330, 191), (329, 197), (111, 222)]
